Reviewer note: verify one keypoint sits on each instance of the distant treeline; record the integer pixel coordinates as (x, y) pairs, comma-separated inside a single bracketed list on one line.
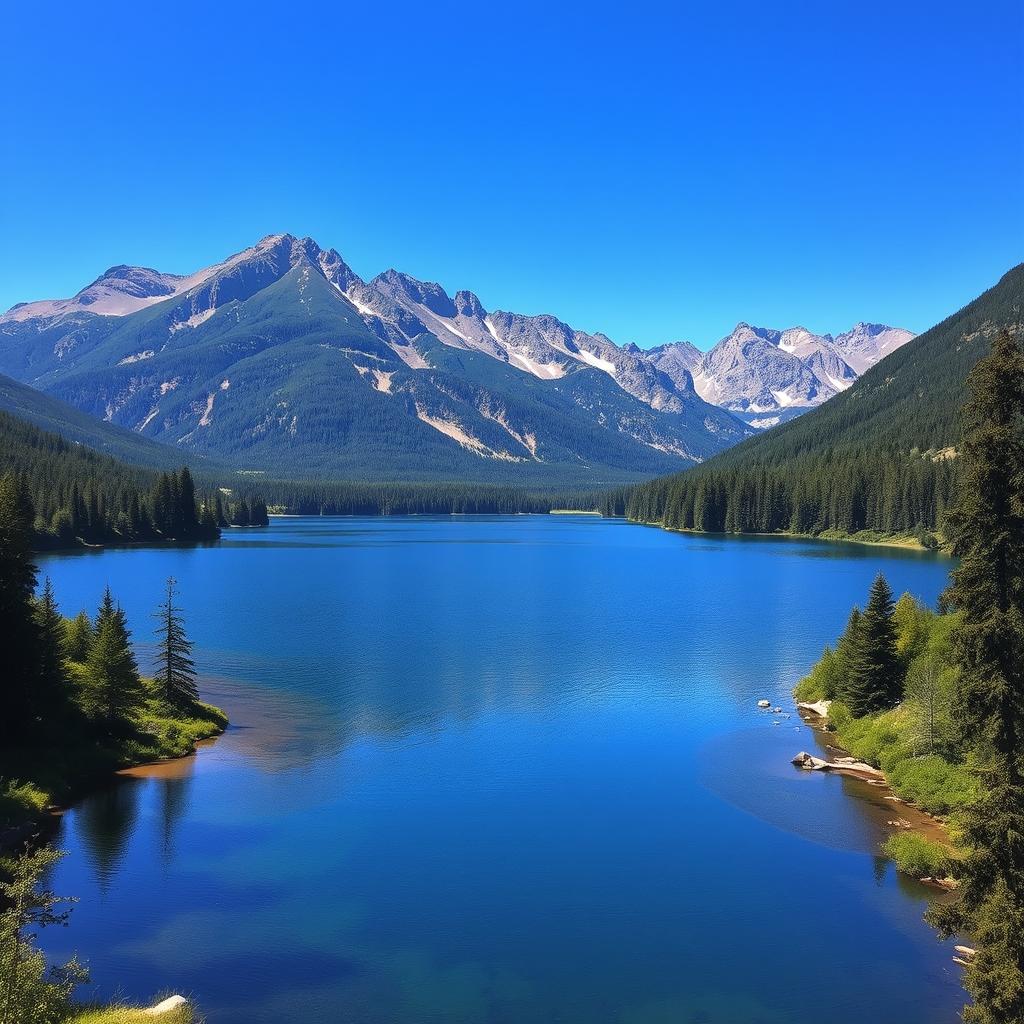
[(366, 499), (880, 456), (884, 491), (78, 496)]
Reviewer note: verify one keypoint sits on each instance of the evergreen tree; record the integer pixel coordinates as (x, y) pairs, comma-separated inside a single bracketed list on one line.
[(176, 670), (115, 689), (78, 634), (986, 525), (846, 650), (21, 654), (53, 691), (874, 665)]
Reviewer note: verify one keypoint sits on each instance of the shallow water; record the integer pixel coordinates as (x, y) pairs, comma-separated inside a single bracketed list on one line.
[(499, 769)]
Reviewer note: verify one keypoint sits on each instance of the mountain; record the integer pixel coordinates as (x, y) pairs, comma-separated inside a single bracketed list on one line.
[(281, 359), (879, 456), (766, 376), (57, 417)]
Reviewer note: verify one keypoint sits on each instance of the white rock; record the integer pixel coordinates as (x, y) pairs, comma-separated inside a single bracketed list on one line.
[(170, 1003)]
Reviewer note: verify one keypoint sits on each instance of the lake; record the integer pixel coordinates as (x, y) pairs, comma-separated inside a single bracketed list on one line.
[(504, 769)]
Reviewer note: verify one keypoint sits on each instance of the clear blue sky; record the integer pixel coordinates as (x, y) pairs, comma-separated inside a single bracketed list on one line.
[(641, 169)]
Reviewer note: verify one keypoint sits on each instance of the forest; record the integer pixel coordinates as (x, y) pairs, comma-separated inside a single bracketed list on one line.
[(882, 456), (80, 497)]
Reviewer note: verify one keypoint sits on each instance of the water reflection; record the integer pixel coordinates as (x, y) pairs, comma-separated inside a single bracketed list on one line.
[(107, 821), (498, 770)]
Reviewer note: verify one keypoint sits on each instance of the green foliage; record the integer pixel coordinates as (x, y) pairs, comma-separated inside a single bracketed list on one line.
[(914, 855), (914, 743), (881, 456), (986, 526), (95, 713), (113, 690), (22, 655), (29, 992), (872, 667), (826, 679)]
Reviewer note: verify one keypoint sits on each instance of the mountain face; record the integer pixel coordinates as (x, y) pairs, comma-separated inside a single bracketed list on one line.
[(283, 360), (880, 456), (766, 376)]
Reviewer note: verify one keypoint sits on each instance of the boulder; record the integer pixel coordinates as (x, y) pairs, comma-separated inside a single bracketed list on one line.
[(818, 707), (170, 1003)]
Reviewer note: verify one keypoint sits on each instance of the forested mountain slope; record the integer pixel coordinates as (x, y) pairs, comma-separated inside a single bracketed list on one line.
[(52, 415), (283, 361), (879, 456)]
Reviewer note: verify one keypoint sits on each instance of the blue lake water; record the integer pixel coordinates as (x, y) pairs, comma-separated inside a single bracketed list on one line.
[(501, 769)]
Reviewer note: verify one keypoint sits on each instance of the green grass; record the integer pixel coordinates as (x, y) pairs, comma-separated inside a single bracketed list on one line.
[(34, 778), (128, 1015)]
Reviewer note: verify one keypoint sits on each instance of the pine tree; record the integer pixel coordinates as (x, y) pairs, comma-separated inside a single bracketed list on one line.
[(986, 526), (874, 665), (114, 686), (21, 644), (78, 634), (53, 691), (176, 673)]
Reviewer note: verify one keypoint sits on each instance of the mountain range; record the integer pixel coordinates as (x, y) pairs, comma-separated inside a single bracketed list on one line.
[(282, 360), (882, 456)]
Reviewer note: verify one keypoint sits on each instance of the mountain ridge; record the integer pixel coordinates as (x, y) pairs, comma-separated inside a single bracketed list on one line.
[(247, 343)]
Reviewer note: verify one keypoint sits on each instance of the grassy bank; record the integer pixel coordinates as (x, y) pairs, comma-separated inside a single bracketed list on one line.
[(128, 1015), (36, 777), (913, 739)]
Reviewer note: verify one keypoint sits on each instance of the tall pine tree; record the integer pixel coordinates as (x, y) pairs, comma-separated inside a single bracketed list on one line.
[(53, 693), (115, 689), (176, 671), (986, 526), (874, 673), (21, 644)]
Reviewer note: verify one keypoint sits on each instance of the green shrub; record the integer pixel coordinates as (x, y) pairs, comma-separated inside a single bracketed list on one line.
[(20, 801), (933, 783), (914, 855)]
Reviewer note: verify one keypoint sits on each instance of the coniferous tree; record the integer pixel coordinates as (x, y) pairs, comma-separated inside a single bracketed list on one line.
[(78, 634), (874, 666), (113, 674), (21, 655), (53, 690), (176, 669), (986, 525)]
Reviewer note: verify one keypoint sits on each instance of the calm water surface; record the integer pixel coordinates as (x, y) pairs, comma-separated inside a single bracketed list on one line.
[(499, 770)]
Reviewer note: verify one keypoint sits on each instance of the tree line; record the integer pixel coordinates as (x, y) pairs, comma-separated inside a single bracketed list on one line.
[(961, 673), (78, 496), (883, 490)]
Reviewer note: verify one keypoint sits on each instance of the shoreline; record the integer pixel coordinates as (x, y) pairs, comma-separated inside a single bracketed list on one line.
[(39, 829), (909, 818), (904, 541)]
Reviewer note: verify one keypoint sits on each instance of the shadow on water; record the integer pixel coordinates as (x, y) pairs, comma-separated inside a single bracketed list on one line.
[(107, 820)]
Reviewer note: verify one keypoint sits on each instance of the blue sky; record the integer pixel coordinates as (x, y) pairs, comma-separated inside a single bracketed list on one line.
[(652, 171)]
